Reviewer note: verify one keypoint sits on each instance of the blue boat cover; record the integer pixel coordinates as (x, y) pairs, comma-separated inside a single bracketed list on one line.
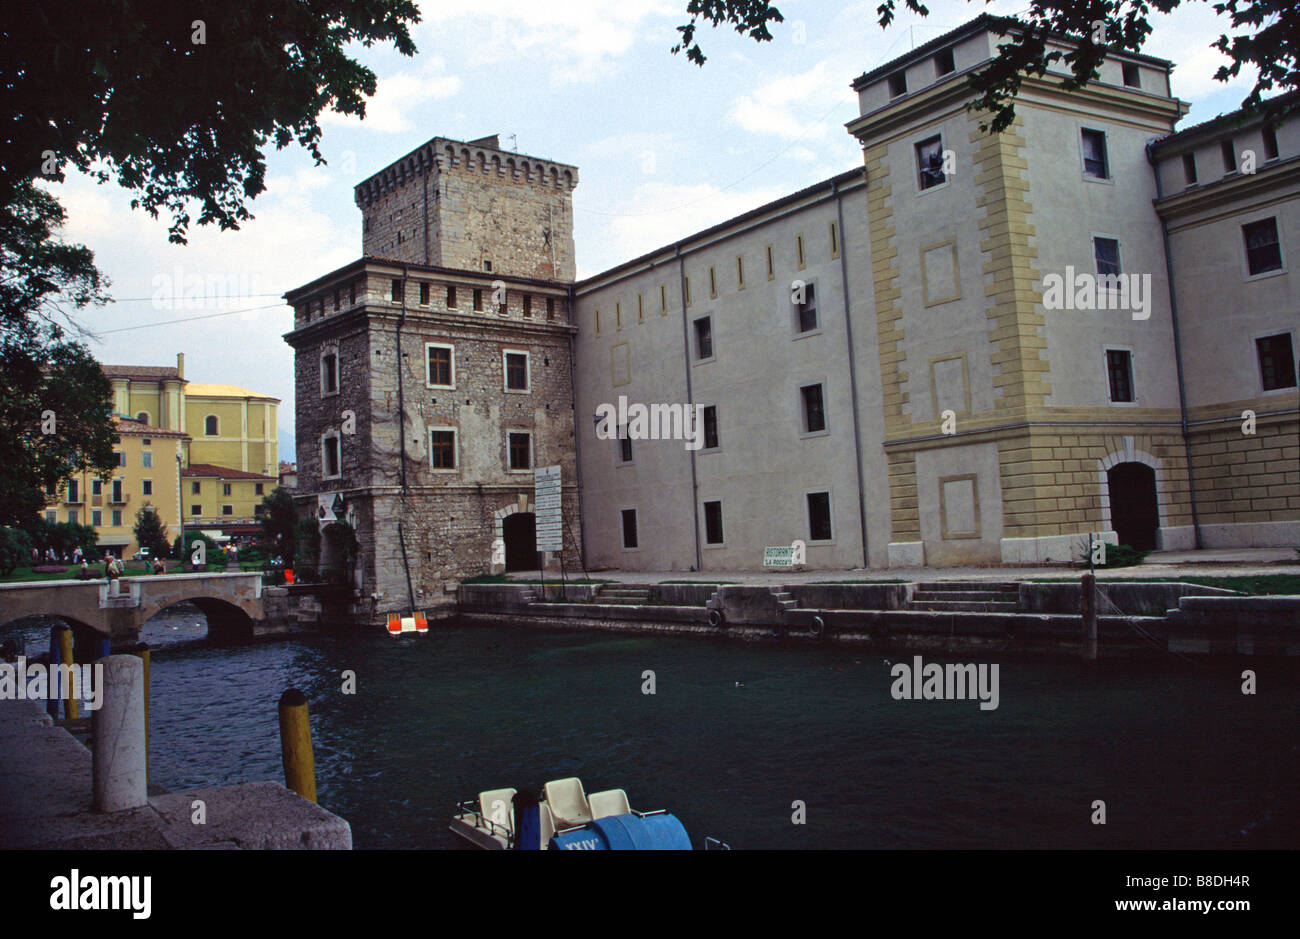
[(627, 833)]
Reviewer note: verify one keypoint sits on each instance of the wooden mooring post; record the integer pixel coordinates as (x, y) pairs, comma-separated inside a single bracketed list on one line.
[(295, 744)]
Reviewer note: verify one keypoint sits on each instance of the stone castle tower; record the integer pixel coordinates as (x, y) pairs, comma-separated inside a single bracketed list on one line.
[(434, 373)]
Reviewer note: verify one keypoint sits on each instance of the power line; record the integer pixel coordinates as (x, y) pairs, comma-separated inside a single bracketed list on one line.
[(189, 319)]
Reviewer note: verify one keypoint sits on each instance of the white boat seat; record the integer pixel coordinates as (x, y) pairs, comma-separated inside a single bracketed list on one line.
[(568, 802), (607, 803), (498, 806), (546, 825)]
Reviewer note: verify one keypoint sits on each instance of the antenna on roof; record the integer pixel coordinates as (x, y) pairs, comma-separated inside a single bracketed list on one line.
[(514, 143)]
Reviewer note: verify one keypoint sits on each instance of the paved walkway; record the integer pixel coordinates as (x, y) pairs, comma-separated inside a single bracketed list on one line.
[(1226, 562)]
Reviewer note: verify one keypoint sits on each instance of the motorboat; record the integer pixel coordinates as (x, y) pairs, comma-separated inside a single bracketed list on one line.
[(564, 817)]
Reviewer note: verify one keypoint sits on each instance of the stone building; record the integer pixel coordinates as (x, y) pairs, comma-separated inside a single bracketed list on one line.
[(974, 348), (431, 383)]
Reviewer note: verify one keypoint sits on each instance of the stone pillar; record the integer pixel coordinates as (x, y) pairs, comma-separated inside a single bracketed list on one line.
[(120, 769)]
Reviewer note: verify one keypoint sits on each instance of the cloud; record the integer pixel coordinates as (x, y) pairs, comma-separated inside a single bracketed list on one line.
[(792, 107), (389, 110)]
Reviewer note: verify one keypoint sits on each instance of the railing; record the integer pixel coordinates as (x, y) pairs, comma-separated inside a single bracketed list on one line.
[(482, 821)]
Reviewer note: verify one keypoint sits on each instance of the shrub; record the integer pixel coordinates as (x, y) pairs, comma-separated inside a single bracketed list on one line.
[(15, 549)]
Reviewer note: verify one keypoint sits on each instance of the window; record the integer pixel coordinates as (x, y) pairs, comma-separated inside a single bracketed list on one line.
[(117, 518), (74, 516), (442, 449), (146, 460), (1189, 168), (329, 373), (147, 442), (1105, 252), (259, 511), (771, 263), (487, 265), (329, 456), (52, 516), (259, 489), (943, 63), (618, 315), (424, 294), (520, 446), (352, 294), (96, 487), (798, 252), (451, 296), (478, 299), (713, 282), (835, 240), (1119, 367), (528, 304), (710, 427), (143, 417), (929, 163), (819, 516), (338, 302), (227, 510), (713, 523), (396, 291), (806, 312), (121, 455), (703, 338), (96, 518), (1270, 142), (74, 491), (194, 489), (640, 308), (1276, 361), (629, 528), (1132, 75), (596, 317), (117, 492), (686, 288), (550, 308), (196, 510), (1095, 163), (663, 298), (440, 367), (516, 369), (1263, 253), (1229, 157), (814, 409), (897, 84), (209, 427), (146, 487), (225, 489), (740, 273), (624, 445)]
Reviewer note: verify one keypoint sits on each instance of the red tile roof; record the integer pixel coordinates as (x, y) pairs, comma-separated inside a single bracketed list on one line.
[(144, 372), (208, 470), (132, 428)]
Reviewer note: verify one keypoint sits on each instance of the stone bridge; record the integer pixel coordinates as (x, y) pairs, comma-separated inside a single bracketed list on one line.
[(232, 603)]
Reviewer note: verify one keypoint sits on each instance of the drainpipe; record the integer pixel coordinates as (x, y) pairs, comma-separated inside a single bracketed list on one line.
[(1178, 351), (577, 441), (401, 437), (853, 379), (690, 402)]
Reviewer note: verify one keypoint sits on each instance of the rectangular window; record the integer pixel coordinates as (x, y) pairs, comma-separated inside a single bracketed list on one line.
[(814, 409), (550, 309), (424, 294), (663, 298), (478, 299), (121, 457), (1263, 253), (73, 516), (451, 296), (596, 317), (713, 523), (227, 510), (897, 84), (487, 266), (819, 516), (929, 163), (629, 528), (521, 450), (259, 489), (710, 427), (713, 282), (703, 338), (96, 518), (516, 366), (1276, 361), (1189, 168), (686, 287), (1229, 156), (806, 312), (330, 456), (618, 315), (225, 489), (798, 252), (194, 488), (740, 273), (196, 510), (1095, 162), (1270, 142), (329, 374), (624, 445), (117, 492), (440, 366), (74, 491), (1119, 366), (396, 290), (352, 293), (640, 308), (96, 487), (1105, 252), (1132, 75), (117, 518), (52, 516), (943, 63), (771, 263), (146, 460), (835, 240), (146, 487), (442, 449), (528, 304)]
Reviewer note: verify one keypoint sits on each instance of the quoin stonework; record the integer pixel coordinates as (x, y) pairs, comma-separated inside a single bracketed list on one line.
[(878, 373)]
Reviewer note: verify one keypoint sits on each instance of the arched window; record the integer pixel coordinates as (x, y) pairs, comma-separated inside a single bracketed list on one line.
[(143, 417), (210, 425)]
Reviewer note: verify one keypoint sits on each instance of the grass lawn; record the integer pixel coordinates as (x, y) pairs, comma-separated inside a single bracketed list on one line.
[(133, 569), (1264, 585)]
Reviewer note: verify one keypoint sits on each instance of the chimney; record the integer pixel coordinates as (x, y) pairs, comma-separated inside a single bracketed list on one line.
[(180, 364), (492, 143)]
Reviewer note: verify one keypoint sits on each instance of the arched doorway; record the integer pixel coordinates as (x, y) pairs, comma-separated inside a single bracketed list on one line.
[(520, 534), (1134, 511)]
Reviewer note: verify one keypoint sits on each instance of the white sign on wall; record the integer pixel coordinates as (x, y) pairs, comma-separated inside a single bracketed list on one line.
[(547, 508)]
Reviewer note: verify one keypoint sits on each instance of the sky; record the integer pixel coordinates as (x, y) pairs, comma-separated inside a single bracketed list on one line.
[(664, 148)]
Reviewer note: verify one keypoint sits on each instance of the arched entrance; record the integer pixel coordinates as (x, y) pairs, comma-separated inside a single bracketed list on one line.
[(1134, 510), (520, 534)]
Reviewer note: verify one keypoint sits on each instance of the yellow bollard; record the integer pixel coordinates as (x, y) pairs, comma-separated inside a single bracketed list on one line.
[(295, 744), (71, 706), (142, 650)]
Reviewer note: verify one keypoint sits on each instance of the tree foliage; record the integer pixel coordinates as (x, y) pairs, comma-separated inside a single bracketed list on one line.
[(150, 532), (279, 523), (1261, 34)]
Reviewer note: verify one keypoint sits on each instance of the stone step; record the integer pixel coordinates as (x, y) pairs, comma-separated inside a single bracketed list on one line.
[(979, 585), (966, 595), (960, 606)]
